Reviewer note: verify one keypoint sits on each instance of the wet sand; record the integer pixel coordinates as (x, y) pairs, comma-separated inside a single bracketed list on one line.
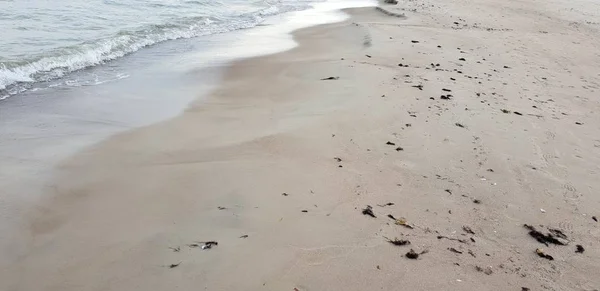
[(277, 166)]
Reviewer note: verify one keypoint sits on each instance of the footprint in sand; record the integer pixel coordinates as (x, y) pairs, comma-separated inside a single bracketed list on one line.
[(565, 226), (569, 187), (571, 193)]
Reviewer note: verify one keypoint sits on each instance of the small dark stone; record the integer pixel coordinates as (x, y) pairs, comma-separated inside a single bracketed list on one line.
[(399, 149), (412, 255), (595, 219), (578, 123), (414, 41), (580, 249), (476, 201), (462, 59), (304, 211), (390, 143), (446, 90), (518, 113)]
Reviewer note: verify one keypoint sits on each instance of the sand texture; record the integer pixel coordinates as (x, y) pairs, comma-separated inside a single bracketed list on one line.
[(463, 120)]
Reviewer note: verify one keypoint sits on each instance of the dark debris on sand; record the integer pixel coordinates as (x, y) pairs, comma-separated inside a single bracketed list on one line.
[(546, 239), (171, 266), (397, 242), (414, 255), (451, 238), (542, 254), (369, 211), (387, 204), (468, 230)]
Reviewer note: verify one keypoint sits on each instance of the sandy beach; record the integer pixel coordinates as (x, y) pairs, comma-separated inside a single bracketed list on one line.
[(442, 126)]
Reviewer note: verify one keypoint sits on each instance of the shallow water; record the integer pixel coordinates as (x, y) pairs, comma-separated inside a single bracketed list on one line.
[(44, 40)]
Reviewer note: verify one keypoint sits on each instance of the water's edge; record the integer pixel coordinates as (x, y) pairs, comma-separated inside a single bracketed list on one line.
[(37, 143)]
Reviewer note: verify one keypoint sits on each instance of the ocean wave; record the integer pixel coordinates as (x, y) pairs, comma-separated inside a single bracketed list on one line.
[(16, 77)]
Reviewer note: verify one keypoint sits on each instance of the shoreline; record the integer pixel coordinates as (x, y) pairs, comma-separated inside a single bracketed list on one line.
[(44, 128), (220, 171)]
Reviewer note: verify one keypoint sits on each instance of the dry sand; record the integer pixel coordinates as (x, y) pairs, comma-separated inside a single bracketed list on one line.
[(218, 171)]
